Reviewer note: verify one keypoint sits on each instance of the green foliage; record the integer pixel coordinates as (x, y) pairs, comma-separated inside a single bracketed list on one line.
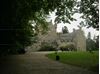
[(15, 30), (68, 47), (64, 11), (65, 29), (64, 48), (92, 44), (90, 10), (47, 48), (97, 42)]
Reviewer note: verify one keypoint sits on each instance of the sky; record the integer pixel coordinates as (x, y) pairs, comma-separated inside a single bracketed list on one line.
[(74, 25)]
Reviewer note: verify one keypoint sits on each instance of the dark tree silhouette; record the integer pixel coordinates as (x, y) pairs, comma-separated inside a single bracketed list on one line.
[(15, 30), (65, 30), (90, 10)]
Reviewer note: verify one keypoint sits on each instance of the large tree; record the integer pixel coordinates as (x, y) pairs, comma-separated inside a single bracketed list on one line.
[(88, 8), (90, 11), (65, 30), (16, 32), (91, 44)]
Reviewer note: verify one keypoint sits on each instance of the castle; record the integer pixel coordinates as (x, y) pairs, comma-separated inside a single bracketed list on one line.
[(77, 38)]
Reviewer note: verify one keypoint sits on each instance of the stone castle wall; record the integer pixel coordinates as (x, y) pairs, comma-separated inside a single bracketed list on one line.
[(77, 38)]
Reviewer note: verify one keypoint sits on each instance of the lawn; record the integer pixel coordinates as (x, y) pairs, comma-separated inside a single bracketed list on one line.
[(82, 59)]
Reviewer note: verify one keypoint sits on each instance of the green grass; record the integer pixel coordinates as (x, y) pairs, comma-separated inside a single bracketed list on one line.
[(81, 59)]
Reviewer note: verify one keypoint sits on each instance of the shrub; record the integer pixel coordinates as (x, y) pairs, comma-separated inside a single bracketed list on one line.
[(67, 47), (47, 48), (64, 48)]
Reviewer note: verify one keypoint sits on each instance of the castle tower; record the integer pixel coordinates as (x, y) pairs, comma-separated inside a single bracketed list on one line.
[(80, 40)]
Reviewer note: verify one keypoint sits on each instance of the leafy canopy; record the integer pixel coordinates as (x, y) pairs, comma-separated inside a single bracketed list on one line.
[(15, 29), (90, 10)]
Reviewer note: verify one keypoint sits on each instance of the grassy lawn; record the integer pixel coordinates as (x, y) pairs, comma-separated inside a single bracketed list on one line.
[(82, 59)]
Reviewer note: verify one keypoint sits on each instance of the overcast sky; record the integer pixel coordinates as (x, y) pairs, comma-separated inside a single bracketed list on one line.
[(74, 24)]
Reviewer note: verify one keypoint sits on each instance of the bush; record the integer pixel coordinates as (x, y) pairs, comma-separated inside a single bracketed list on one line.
[(68, 47), (64, 48), (21, 51), (47, 48)]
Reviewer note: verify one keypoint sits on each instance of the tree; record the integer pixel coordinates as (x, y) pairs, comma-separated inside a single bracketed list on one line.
[(90, 10), (65, 11), (15, 30), (90, 44), (67, 47), (65, 30), (97, 42), (89, 35)]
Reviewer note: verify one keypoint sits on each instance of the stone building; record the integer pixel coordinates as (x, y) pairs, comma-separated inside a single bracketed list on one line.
[(77, 38)]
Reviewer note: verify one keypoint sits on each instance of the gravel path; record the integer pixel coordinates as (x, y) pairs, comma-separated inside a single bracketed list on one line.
[(36, 63)]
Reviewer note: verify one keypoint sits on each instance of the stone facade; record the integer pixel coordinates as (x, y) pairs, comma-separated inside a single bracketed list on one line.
[(77, 38)]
